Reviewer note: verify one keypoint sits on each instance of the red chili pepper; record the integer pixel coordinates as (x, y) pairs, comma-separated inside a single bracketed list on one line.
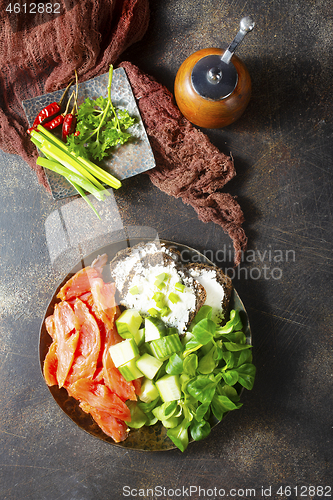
[(69, 124), (58, 120), (50, 110)]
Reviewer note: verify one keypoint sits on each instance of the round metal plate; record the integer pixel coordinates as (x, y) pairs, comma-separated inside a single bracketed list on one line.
[(152, 438)]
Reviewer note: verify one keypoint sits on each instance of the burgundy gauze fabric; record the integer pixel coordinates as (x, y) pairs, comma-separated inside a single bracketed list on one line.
[(39, 54), (188, 165)]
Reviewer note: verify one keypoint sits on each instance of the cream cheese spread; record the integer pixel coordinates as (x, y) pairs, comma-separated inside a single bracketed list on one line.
[(214, 291), (123, 268), (143, 300), (144, 281)]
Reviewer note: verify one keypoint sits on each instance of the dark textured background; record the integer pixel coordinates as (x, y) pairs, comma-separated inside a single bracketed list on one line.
[(283, 149)]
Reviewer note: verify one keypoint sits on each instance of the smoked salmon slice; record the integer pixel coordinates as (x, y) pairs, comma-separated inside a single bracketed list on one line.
[(49, 325), (137, 385), (103, 295), (89, 344), (66, 339), (111, 426), (79, 284), (100, 397), (83, 328), (50, 365)]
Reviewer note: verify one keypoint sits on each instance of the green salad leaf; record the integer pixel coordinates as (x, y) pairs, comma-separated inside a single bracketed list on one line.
[(179, 435), (204, 331), (190, 364), (199, 429), (212, 367), (174, 365), (202, 388)]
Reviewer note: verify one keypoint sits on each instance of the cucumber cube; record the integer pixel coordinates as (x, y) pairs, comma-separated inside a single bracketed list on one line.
[(148, 365), (163, 348), (169, 388), (154, 328), (172, 331), (148, 391), (123, 352), (130, 371), (128, 323), (139, 337)]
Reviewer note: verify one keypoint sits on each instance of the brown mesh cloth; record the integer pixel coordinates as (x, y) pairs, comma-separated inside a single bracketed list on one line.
[(39, 54), (188, 165)]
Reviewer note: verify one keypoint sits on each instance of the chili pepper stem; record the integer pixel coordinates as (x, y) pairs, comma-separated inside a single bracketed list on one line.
[(65, 92)]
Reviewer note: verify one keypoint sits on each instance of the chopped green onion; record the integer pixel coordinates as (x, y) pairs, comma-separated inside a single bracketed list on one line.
[(153, 312), (174, 298), (159, 299), (160, 279), (180, 287), (165, 311), (134, 290)]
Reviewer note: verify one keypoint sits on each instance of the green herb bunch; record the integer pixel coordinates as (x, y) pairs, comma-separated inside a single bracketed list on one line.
[(99, 127)]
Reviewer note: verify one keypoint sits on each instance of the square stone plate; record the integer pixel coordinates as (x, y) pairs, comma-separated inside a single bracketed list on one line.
[(125, 161)]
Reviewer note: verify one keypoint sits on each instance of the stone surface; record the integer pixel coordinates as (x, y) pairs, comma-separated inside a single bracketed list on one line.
[(123, 162)]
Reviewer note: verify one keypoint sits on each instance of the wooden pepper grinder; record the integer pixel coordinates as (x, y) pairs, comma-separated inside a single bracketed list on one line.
[(212, 86)]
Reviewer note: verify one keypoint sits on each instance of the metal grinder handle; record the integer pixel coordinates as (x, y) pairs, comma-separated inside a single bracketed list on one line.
[(246, 25)]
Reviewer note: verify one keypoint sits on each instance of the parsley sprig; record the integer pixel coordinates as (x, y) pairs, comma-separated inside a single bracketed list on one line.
[(100, 126)]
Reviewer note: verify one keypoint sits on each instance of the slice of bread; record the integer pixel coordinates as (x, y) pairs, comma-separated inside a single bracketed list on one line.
[(139, 267), (218, 287), (124, 261)]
